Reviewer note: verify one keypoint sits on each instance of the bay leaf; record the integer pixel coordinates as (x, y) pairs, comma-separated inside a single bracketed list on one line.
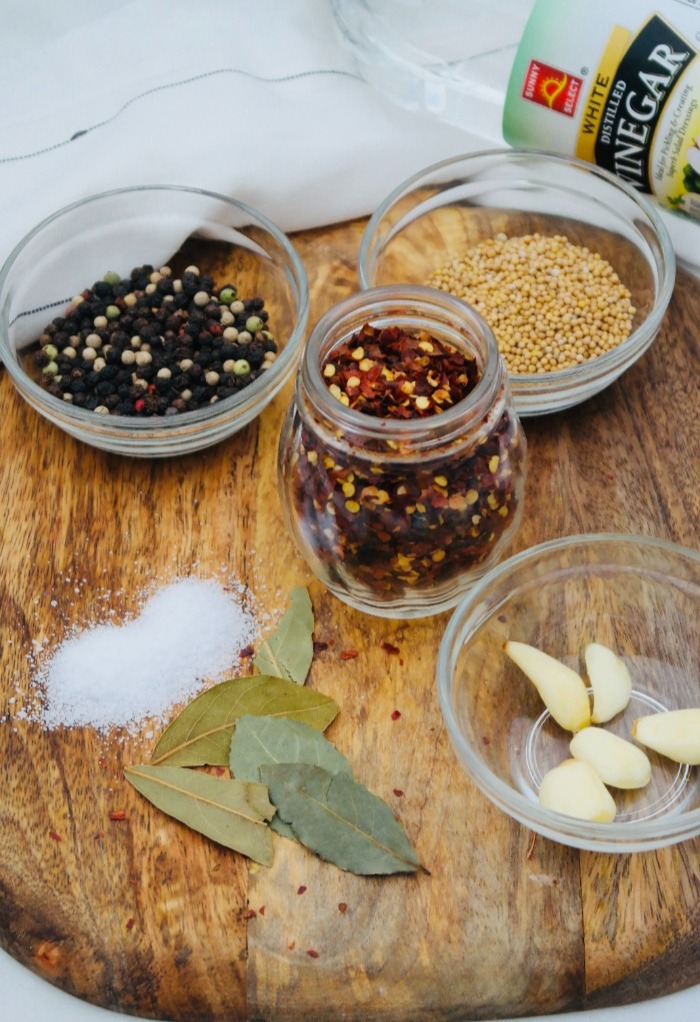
[(288, 652), (201, 734), (262, 740), (339, 819), (233, 813)]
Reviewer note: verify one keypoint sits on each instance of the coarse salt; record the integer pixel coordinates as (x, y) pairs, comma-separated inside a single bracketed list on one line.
[(108, 676)]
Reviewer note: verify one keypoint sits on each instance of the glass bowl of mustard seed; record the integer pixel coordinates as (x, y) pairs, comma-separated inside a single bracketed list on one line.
[(402, 459), (152, 321), (572, 269)]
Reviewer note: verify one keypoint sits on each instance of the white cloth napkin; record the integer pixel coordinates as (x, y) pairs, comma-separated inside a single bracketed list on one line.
[(256, 99)]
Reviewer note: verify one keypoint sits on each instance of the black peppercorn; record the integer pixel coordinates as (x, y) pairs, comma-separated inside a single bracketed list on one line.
[(145, 335)]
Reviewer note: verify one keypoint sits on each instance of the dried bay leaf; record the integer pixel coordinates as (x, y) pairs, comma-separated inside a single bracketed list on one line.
[(201, 734), (339, 819), (233, 813), (262, 740), (288, 652)]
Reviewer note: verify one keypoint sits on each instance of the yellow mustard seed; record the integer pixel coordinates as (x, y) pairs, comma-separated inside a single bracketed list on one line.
[(550, 303)]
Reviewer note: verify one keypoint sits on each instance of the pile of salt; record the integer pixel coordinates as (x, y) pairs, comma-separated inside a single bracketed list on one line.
[(188, 633)]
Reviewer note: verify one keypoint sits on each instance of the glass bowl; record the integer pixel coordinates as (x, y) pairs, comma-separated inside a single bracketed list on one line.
[(449, 208), (117, 231), (638, 596)]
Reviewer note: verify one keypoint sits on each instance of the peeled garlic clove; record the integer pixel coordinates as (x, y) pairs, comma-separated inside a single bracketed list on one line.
[(575, 789), (610, 681), (616, 761), (675, 734), (562, 690)]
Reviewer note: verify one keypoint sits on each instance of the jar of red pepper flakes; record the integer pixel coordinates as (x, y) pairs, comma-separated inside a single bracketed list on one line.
[(401, 459)]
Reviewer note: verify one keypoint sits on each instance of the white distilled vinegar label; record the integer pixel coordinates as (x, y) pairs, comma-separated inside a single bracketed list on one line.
[(617, 85)]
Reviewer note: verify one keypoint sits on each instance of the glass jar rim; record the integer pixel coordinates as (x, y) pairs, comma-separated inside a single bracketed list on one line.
[(394, 302)]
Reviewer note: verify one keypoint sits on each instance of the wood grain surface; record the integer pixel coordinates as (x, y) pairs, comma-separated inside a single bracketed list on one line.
[(148, 918)]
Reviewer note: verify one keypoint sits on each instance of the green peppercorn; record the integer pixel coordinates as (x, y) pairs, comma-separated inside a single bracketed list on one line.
[(112, 312), (50, 350), (253, 324), (227, 295), (111, 278), (241, 367), (51, 369)]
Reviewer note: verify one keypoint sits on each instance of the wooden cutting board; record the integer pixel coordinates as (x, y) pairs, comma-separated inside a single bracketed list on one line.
[(146, 917)]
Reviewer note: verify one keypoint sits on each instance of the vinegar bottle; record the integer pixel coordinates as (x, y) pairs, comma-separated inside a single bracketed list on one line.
[(614, 82)]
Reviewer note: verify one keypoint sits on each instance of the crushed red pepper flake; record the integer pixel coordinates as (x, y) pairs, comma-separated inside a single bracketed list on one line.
[(301, 888), (342, 906), (249, 913), (485, 740), (220, 771), (393, 374), (392, 528), (395, 714), (349, 654), (261, 910), (99, 835), (291, 945), (320, 647), (117, 815), (102, 762), (398, 792), (389, 648), (312, 954), (248, 651), (130, 923), (54, 836)]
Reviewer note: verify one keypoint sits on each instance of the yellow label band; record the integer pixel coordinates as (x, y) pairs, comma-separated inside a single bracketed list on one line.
[(597, 97)]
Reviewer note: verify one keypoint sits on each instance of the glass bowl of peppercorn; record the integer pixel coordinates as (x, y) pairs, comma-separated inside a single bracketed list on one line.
[(152, 321), (401, 459), (572, 269)]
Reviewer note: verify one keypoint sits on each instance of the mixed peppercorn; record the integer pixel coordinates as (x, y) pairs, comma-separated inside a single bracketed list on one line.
[(153, 344), (393, 522)]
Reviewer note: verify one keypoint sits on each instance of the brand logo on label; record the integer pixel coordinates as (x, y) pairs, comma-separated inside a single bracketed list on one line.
[(552, 87)]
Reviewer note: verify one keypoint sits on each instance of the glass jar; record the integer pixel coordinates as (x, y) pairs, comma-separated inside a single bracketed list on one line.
[(399, 517)]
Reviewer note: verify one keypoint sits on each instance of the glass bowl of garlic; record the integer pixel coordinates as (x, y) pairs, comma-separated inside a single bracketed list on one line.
[(569, 682)]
